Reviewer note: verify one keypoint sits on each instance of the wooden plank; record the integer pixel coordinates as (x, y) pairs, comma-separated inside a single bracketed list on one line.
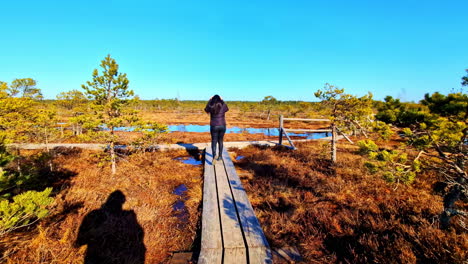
[(181, 258), (291, 254), (346, 137), (90, 146), (258, 248), (210, 255), (333, 144), (233, 241), (306, 119), (308, 130), (162, 147), (280, 128), (211, 242), (289, 139)]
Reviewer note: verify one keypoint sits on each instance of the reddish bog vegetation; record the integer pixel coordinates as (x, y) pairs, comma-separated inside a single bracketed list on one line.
[(128, 218), (343, 214)]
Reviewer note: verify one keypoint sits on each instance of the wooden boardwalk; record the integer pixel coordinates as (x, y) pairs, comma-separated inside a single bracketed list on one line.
[(180, 146), (162, 147), (231, 232)]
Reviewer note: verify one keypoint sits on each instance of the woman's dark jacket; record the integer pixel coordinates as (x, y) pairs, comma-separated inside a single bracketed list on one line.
[(219, 118)]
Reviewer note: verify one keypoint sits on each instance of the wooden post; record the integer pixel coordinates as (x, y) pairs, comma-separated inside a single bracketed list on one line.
[(333, 144), (281, 129), (344, 135)]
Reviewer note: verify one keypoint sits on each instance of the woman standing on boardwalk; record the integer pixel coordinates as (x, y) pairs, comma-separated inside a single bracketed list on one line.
[(217, 109)]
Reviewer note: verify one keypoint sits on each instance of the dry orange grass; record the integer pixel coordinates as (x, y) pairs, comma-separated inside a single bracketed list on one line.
[(126, 138), (194, 137), (342, 214), (234, 117), (147, 181), (198, 116)]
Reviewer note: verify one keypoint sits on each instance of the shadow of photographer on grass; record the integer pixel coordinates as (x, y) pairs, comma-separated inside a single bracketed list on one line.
[(113, 235)]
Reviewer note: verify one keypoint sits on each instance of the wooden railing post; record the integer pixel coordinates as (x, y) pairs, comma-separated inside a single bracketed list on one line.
[(284, 131), (333, 144), (280, 129)]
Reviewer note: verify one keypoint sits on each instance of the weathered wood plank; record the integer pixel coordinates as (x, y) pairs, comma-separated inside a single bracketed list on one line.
[(281, 123), (181, 258), (210, 255), (258, 248), (233, 241), (306, 119), (231, 232), (344, 135), (289, 140), (308, 130), (162, 147), (291, 254), (91, 146), (211, 244)]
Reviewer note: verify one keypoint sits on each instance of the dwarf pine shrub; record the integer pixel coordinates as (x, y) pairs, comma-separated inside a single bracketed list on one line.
[(23, 210), (393, 166), (383, 130), (367, 146)]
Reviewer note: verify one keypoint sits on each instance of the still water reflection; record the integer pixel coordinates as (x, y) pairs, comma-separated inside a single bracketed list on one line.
[(237, 130), (249, 130)]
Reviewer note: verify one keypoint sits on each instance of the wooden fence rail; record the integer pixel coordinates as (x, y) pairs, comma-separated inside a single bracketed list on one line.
[(332, 129), (306, 119)]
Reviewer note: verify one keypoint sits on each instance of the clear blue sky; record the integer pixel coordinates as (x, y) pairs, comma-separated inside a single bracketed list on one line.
[(242, 50)]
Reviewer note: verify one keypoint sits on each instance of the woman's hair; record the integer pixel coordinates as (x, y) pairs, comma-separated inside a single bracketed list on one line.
[(215, 104)]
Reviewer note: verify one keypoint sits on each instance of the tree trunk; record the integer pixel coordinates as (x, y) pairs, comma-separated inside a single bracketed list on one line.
[(333, 144), (449, 202), (46, 139), (18, 160), (112, 152), (361, 128), (51, 166)]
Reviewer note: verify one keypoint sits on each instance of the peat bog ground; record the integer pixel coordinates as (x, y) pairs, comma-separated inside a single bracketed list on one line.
[(125, 218), (343, 214), (331, 213)]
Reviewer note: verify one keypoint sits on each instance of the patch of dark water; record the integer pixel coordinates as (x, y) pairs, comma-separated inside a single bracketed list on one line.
[(190, 161), (180, 190), (273, 132), (179, 207), (239, 157)]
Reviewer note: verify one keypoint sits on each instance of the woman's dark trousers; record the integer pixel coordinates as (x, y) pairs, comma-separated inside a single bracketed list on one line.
[(217, 135)]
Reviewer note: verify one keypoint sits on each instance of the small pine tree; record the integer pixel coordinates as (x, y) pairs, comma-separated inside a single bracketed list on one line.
[(269, 102), (346, 111), (71, 100), (111, 97), (25, 87)]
